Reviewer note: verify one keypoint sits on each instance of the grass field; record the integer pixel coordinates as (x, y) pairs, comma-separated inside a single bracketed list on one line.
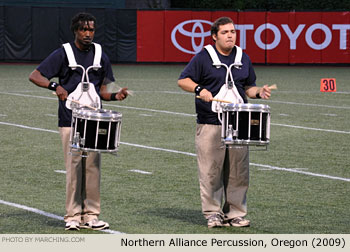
[(301, 184)]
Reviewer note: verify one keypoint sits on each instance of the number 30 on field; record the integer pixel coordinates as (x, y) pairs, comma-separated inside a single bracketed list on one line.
[(328, 85)]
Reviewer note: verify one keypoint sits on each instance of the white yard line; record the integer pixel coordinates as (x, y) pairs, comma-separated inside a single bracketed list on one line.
[(60, 171), (140, 171), (306, 104), (297, 170), (193, 115), (308, 128), (160, 149), (194, 155), (46, 214), (28, 127), (134, 170)]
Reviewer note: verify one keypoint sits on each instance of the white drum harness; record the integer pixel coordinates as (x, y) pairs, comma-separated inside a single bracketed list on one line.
[(228, 91), (85, 93)]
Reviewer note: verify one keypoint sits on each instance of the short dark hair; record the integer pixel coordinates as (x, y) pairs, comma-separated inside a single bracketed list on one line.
[(220, 21), (79, 19)]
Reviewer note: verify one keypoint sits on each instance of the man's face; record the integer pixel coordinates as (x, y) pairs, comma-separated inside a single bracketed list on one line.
[(225, 38), (85, 34)]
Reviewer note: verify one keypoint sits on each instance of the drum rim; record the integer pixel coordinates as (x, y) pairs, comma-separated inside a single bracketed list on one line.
[(94, 149), (246, 142), (246, 107), (98, 115)]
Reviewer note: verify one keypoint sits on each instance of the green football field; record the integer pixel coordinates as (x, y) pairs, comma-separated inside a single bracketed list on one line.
[(301, 184)]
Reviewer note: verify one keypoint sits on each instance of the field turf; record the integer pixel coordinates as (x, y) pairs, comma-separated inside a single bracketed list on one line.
[(301, 184)]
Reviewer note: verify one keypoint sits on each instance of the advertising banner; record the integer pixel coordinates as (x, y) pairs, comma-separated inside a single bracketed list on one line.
[(267, 37)]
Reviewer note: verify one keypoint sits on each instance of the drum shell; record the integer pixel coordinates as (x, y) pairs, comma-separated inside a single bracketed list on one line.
[(250, 124), (96, 130)]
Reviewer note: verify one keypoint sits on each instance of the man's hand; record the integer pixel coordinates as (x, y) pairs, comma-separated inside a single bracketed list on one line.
[(122, 94), (205, 95), (265, 92), (61, 93)]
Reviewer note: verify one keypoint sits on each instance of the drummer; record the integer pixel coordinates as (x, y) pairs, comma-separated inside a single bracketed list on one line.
[(223, 172), (83, 174)]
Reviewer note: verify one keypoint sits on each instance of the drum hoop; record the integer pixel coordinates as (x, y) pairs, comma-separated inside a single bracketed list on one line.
[(114, 120), (249, 107), (246, 142), (97, 150), (98, 115)]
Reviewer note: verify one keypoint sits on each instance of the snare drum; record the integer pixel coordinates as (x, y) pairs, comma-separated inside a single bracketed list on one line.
[(245, 124), (95, 130)]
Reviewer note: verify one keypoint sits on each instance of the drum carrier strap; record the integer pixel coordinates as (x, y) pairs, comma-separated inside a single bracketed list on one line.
[(217, 63), (85, 92), (228, 89), (71, 58)]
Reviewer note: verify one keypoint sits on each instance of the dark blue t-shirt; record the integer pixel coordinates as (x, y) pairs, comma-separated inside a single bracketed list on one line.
[(56, 65), (201, 70)]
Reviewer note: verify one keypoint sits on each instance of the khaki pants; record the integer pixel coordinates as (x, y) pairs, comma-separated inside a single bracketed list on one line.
[(82, 182), (223, 174)]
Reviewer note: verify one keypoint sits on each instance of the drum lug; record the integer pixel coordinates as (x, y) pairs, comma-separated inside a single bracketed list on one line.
[(76, 141), (230, 133)]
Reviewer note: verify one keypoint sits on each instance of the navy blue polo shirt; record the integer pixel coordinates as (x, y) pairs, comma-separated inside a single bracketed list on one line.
[(56, 65), (201, 70)]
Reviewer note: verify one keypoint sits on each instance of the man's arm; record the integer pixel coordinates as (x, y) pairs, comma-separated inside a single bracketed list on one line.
[(38, 79), (263, 92), (190, 86), (121, 95)]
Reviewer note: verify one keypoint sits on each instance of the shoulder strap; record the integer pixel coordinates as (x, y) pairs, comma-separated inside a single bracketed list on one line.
[(70, 55), (213, 55), (71, 59), (238, 58), (98, 55), (216, 60)]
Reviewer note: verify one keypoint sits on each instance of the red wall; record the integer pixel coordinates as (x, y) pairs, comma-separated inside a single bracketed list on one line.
[(267, 37)]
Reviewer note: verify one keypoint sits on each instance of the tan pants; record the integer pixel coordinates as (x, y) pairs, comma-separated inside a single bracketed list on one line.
[(82, 182), (223, 174)]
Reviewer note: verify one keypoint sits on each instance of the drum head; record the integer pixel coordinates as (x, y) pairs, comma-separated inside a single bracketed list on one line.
[(246, 107), (97, 115)]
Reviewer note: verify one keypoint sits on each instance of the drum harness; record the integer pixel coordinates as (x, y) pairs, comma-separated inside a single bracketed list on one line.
[(85, 93), (228, 91)]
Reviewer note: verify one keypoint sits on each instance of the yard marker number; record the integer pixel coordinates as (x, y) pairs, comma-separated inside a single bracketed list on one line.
[(328, 85)]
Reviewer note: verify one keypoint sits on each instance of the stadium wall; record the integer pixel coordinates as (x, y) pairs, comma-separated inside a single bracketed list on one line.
[(30, 33)]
